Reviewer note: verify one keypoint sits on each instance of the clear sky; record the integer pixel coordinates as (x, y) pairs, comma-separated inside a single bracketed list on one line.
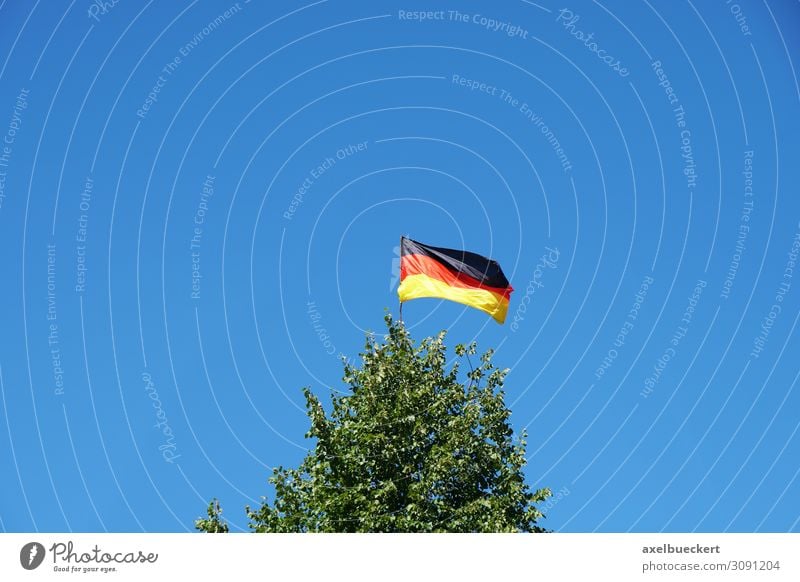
[(201, 202)]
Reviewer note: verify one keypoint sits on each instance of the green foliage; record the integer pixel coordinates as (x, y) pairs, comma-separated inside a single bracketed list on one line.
[(214, 522), (409, 449)]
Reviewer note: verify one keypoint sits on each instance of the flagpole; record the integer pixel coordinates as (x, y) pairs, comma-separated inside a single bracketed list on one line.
[(401, 262)]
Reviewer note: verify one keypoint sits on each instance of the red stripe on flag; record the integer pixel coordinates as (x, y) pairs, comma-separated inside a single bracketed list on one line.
[(423, 265)]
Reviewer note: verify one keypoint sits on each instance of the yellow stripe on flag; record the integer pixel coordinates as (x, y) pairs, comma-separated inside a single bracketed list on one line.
[(418, 286)]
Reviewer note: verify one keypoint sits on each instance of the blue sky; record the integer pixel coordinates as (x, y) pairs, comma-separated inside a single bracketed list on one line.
[(200, 207)]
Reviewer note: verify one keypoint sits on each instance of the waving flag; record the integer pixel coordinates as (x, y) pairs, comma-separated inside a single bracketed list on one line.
[(459, 276)]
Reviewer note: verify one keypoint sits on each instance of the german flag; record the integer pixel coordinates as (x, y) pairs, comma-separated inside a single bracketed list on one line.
[(459, 276)]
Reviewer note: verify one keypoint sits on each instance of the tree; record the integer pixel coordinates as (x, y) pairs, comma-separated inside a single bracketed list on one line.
[(214, 522), (409, 449)]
